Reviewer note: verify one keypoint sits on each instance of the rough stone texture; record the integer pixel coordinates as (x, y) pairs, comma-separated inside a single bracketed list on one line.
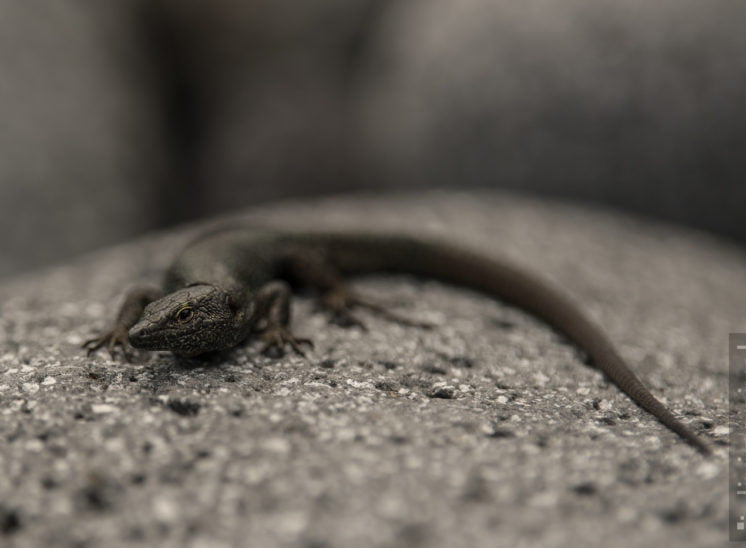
[(488, 430)]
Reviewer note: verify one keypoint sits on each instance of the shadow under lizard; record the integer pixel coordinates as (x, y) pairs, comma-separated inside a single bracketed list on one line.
[(231, 283)]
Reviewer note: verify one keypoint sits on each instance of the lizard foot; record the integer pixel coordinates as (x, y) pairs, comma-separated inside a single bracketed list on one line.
[(341, 301), (277, 336), (111, 339)]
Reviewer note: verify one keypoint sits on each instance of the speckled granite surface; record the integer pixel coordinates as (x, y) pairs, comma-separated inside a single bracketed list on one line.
[(488, 430)]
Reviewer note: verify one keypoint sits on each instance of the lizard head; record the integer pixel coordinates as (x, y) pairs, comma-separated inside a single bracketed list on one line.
[(188, 322)]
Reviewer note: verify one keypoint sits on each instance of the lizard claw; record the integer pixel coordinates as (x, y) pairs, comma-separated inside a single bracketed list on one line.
[(118, 336), (276, 337)]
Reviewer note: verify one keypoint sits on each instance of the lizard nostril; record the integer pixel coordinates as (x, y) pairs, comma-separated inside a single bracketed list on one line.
[(137, 333)]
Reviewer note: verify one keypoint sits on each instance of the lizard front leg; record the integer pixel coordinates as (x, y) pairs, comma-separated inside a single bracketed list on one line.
[(271, 317), (134, 303)]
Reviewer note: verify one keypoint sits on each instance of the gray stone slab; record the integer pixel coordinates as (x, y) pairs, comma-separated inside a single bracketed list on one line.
[(488, 430)]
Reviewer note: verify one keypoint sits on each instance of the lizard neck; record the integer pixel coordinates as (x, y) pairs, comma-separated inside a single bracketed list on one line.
[(244, 320)]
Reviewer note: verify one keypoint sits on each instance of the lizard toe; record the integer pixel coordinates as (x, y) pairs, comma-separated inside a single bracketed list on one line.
[(275, 339), (117, 337)]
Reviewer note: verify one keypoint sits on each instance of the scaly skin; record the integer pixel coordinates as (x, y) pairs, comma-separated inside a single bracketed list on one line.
[(229, 284)]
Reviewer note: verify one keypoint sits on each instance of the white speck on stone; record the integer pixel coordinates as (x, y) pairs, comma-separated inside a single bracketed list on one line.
[(706, 384), (583, 391), (354, 473), (280, 446), (652, 441), (115, 445), (26, 369), (546, 499), (94, 309), (627, 514), (291, 524), (708, 470), (30, 387), (502, 400), (49, 381), (34, 445), (360, 384), (392, 507), (60, 506), (102, 408), (253, 475), (345, 434), (403, 391), (3, 387), (75, 340), (165, 509), (605, 405), (721, 430), (540, 379), (283, 392)]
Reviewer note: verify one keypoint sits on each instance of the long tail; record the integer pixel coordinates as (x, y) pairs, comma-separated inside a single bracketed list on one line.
[(370, 253)]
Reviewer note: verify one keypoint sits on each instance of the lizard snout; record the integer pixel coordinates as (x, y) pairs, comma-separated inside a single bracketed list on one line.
[(138, 335)]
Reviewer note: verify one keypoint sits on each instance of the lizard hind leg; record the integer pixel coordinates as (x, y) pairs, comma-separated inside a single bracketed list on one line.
[(312, 268), (341, 300)]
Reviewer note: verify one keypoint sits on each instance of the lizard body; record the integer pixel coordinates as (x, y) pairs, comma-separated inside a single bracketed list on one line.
[(231, 283)]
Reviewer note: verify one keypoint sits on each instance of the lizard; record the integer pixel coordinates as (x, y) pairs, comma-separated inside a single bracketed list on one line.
[(234, 282)]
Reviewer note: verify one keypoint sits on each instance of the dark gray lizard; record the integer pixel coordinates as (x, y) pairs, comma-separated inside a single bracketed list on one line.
[(233, 282)]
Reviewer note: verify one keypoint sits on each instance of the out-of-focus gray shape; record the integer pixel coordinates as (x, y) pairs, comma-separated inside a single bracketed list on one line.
[(80, 139)]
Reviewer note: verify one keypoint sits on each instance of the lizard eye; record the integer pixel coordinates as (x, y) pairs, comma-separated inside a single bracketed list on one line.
[(185, 314)]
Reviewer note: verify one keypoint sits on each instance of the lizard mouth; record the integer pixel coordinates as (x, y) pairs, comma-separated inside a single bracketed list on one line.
[(142, 335), (147, 336)]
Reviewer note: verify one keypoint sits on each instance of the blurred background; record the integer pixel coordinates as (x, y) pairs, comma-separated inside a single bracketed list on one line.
[(121, 117)]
